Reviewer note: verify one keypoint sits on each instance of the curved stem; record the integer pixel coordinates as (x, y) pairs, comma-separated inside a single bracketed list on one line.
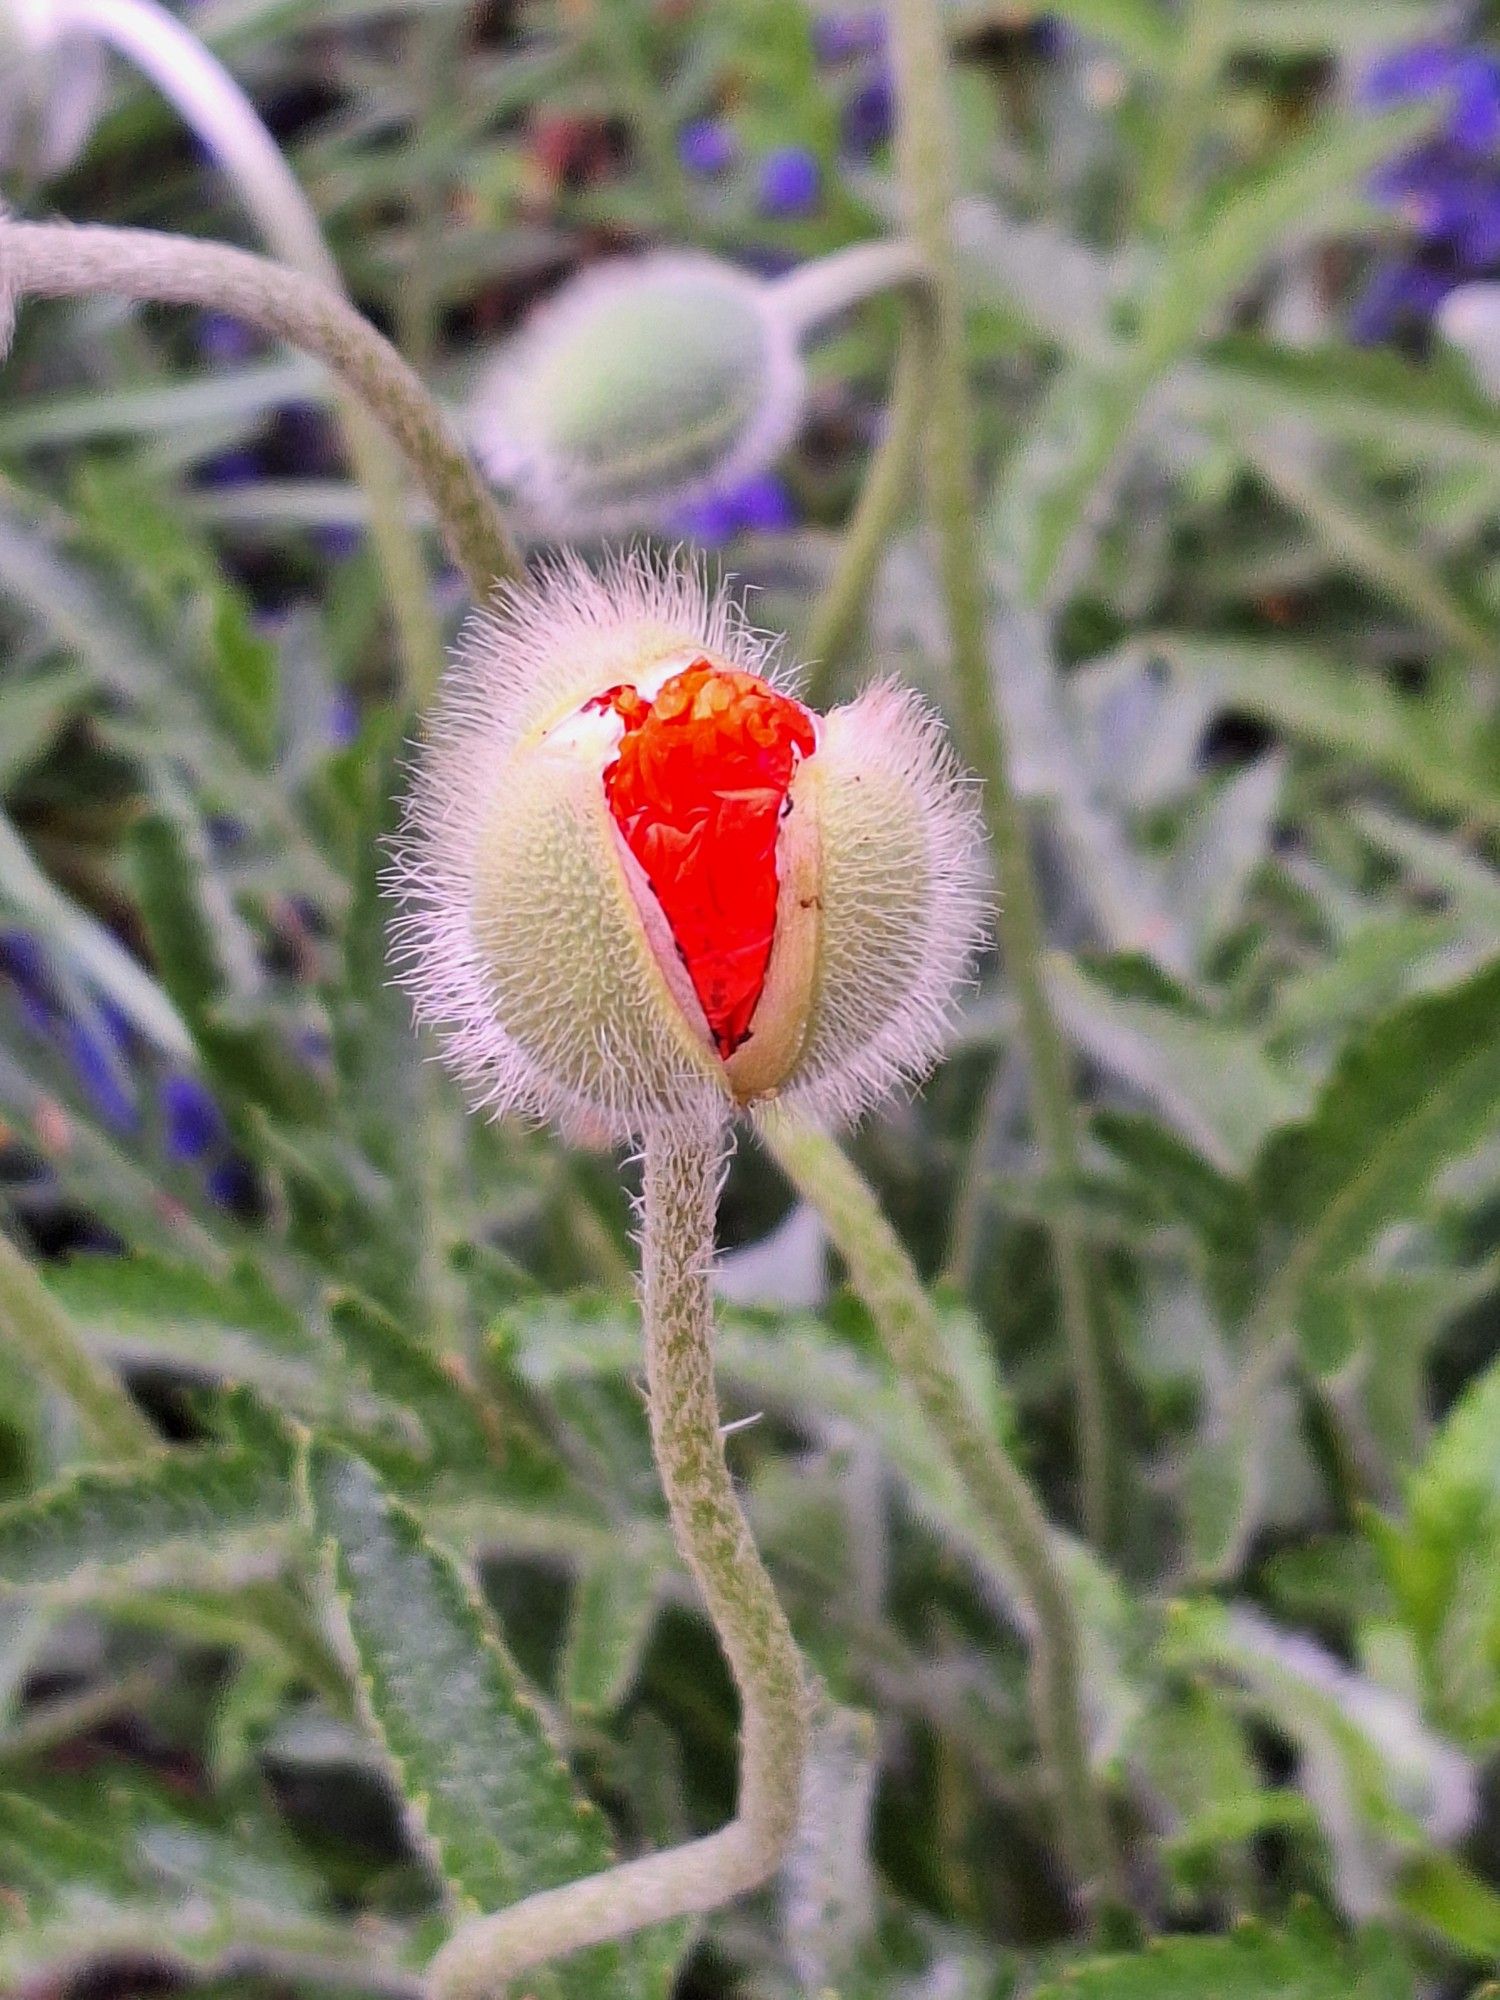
[(218, 111), (885, 1279), (924, 126), (820, 290), (56, 260), (839, 613), (682, 1165), (34, 1325)]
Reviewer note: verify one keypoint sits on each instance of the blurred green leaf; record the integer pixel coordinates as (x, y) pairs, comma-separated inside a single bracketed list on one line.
[(193, 1514), (614, 1607), (1308, 1962), (1412, 1094)]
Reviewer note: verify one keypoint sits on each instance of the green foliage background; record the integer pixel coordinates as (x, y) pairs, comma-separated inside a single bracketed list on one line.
[(388, 1625)]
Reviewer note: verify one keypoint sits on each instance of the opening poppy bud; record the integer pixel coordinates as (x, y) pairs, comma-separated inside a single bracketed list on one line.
[(642, 385), (641, 877)]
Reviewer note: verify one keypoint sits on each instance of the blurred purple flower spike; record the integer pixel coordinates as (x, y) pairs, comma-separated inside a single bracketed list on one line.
[(225, 340), (99, 1079), (760, 505), (791, 182), (194, 1125), (708, 147), (24, 964), (846, 35), (1399, 296), (1416, 70), (870, 114)]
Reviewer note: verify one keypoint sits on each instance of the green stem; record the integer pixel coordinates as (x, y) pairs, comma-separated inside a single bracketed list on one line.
[(838, 616), (924, 150), (885, 1279), (60, 261), (1185, 117), (38, 1330), (217, 110), (682, 1163)]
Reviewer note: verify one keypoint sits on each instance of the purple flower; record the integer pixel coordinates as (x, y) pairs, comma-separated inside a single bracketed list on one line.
[(1469, 78), (790, 182), (707, 146), (118, 1025), (1398, 296), (337, 541), (343, 719), (1474, 122), (23, 962), (766, 506), (842, 37), (193, 1123), (232, 1186), (869, 114), (99, 1078), (230, 468), (222, 338), (1400, 75), (712, 520), (758, 505)]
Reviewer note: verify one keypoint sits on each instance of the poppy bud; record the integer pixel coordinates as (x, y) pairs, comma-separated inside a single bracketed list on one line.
[(641, 878), (640, 386)]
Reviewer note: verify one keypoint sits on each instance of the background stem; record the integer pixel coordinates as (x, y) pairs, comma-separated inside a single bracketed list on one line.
[(59, 261), (682, 1163), (841, 610), (885, 1279), (212, 104), (924, 129)]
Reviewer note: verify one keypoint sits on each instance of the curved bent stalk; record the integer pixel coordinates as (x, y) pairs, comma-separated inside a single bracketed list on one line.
[(57, 260), (214, 107), (885, 1279), (681, 1176)]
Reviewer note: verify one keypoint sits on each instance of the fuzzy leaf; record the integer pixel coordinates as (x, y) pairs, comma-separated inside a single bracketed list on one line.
[(484, 1786)]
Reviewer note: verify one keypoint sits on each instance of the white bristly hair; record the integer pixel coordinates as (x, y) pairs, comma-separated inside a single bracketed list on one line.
[(905, 891), (531, 942), (539, 651)]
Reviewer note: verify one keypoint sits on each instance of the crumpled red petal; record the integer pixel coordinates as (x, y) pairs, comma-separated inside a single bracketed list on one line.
[(698, 790)]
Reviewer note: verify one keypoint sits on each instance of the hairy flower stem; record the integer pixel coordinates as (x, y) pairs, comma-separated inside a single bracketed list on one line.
[(885, 1279), (825, 287), (217, 110), (682, 1164), (56, 260), (37, 1329), (839, 613), (924, 126)]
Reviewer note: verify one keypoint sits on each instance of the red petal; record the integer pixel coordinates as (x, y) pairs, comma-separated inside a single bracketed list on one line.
[(697, 791)]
